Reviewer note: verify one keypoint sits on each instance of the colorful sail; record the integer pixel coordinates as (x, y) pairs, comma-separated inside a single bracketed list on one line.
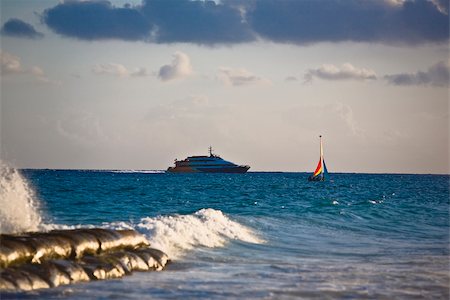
[(321, 169)]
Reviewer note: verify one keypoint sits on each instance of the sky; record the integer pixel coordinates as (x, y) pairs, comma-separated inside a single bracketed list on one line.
[(136, 84)]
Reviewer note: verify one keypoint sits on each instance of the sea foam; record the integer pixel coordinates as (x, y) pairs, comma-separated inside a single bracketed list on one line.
[(205, 228), (19, 208)]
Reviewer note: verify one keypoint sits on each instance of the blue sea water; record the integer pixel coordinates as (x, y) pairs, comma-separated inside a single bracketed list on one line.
[(261, 235)]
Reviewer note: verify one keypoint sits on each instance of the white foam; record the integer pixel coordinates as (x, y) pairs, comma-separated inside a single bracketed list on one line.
[(205, 228), (19, 208)]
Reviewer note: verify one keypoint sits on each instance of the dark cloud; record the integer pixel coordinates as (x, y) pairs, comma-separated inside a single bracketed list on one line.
[(311, 21), (200, 22), (436, 75), (18, 28), (160, 21), (96, 20), (237, 21)]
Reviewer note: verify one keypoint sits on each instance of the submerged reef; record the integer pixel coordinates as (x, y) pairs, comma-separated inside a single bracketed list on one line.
[(36, 260)]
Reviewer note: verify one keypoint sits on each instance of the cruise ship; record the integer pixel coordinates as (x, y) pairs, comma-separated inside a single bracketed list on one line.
[(206, 164)]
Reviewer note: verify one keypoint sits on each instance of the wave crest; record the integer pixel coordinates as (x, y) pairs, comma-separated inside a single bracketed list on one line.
[(206, 227)]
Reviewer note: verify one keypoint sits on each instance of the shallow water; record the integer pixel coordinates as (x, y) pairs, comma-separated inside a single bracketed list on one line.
[(262, 235)]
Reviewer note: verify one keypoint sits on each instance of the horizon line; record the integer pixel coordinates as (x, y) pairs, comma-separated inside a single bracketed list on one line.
[(262, 171)]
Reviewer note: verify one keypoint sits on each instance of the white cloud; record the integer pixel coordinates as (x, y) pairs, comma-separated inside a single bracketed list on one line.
[(118, 70), (111, 69), (395, 2), (239, 77), (139, 72), (346, 72), (35, 70), (179, 68), (436, 75), (441, 5), (10, 64)]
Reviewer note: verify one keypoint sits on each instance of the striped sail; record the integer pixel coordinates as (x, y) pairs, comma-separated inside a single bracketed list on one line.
[(321, 168)]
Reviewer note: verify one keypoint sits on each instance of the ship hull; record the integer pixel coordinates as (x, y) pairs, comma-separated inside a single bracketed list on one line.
[(234, 169)]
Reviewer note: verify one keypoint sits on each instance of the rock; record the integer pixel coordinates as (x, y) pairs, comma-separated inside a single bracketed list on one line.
[(39, 260)]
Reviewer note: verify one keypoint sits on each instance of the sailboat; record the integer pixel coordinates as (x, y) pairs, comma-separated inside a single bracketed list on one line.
[(321, 169)]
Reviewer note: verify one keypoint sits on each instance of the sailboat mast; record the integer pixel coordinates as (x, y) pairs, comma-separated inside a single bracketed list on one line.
[(321, 149), (321, 155)]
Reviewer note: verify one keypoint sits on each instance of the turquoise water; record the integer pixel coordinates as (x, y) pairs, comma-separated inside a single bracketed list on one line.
[(262, 235)]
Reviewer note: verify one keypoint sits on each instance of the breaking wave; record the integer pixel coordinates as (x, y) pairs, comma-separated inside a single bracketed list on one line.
[(19, 208), (204, 228), (177, 234)]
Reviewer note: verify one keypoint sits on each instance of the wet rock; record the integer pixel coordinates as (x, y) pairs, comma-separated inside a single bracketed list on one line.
[(43, 260), (81, 241), (99, 268), (75, 272), (14, 251), (154, 258)]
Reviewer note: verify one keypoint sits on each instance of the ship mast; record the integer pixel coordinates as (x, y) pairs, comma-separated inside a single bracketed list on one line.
[(210, 151)]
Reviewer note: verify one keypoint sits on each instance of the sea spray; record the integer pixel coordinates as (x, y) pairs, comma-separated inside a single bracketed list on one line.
[(205, 228), (19, 209)]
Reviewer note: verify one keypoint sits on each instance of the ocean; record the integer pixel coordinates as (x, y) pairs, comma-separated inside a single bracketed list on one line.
[(250, 236)]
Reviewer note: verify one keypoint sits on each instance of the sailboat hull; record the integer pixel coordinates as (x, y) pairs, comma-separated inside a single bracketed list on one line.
[(316, 178)]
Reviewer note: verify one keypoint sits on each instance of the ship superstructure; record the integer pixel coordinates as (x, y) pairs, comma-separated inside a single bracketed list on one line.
[(206, 164)]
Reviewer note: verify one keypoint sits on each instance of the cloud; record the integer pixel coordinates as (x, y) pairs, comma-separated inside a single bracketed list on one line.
[(37, 71), (139, 72), (179, 68), (234, 21), (441, 5), (346, 72), (18, 28), (118, 70), (239, 77), (111, 69), (436, 75), (10, 64), (306, 22), (199, 22), (97, 20)]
